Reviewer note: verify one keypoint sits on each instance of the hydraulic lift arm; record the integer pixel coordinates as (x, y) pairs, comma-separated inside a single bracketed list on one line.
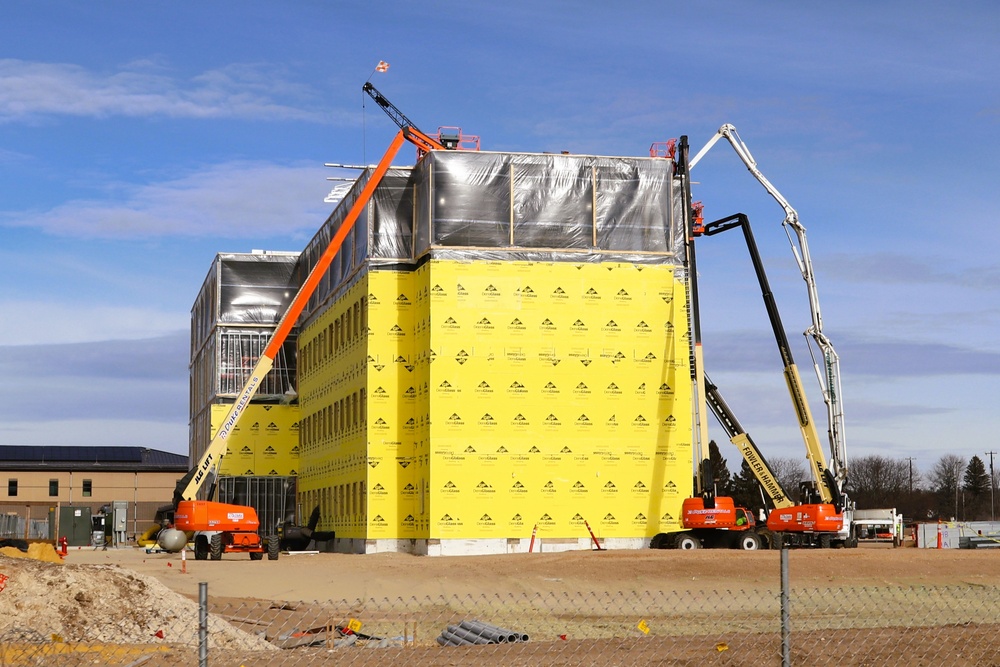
[(826, 485), (692, 226), (421, 140), (829, 375), (210, 460), (188, 487), (751, 454)]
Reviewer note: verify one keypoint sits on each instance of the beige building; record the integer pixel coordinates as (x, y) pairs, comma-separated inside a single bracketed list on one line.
[(38, 481)]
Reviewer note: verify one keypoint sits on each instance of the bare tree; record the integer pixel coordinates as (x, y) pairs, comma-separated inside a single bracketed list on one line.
[(790, 473), (878, 481), (946, 479)]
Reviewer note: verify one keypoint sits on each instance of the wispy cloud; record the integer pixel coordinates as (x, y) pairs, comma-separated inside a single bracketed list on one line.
[(41, 323), (884, 358), (889, 267), (234, 199), (170, 435), (33, 90), (131, 380)]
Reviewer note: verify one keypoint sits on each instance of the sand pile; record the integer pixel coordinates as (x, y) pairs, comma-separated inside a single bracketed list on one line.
[(104, 604), (36, 550)]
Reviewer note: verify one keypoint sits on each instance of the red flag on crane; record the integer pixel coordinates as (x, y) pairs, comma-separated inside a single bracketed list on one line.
[(382, 66)]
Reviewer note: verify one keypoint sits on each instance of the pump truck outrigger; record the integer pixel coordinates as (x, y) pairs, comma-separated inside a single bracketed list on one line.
[(224, 528)]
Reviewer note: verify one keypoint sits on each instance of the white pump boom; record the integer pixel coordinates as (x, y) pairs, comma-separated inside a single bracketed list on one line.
[(829, 374)]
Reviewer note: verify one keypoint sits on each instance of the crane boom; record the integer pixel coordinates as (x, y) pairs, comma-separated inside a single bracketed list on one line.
[(212, 456), (748, 448), (413, 134), (822, 348)]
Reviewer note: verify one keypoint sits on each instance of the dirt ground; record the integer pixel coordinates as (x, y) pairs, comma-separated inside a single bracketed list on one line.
[(131, 595), (390, 575)]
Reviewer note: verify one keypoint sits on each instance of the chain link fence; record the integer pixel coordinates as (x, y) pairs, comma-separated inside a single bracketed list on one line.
[(843, 627)]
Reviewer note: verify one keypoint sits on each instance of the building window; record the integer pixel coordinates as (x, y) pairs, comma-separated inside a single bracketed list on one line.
[(53, 488), (11, 487), (88, 488)]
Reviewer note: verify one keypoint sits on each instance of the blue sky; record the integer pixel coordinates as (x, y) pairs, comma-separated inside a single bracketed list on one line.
[(139, 139)]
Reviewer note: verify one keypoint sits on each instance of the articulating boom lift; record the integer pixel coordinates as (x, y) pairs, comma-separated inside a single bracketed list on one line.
[(819, 518), (221, 527)]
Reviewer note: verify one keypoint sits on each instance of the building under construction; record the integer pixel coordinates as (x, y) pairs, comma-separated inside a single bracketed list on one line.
[(501, 347)]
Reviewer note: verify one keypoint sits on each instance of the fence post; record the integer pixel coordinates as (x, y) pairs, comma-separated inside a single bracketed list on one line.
[(203, 624), (786, 623)]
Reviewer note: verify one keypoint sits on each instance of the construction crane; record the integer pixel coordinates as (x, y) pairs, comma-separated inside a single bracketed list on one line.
[(826, 362)]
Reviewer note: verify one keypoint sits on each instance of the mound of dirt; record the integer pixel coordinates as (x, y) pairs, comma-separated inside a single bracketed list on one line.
[(36, 550), (104, 604)]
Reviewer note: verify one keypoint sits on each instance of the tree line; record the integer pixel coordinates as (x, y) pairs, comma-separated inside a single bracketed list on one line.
[(953, 489)]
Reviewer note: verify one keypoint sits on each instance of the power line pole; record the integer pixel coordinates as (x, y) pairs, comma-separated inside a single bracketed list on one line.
[(911, 460), (992, 513)]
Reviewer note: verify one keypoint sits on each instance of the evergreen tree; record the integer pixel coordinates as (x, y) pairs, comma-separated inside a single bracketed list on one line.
[(976, 480), (745, 490), (976, 487), (720, 471)]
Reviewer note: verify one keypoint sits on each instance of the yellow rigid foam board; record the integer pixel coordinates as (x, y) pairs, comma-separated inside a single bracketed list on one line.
[(505, 395), (557, 370), (266, 441)]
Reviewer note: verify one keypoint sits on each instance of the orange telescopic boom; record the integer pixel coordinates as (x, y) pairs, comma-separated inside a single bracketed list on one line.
[(213, 454)]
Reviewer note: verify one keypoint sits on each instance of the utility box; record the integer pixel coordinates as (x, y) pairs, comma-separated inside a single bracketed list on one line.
[(75, 525), (119, 522)]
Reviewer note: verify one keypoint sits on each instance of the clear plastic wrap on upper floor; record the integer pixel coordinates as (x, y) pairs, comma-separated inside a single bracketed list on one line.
[(244, 289), (516, 206)]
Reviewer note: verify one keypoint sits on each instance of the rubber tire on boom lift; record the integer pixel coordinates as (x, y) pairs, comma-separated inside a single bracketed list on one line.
[(215, 547), (748, 541), (273, 548), (660, 541), (775, 540), (256, 555), (687, 542), (200, 549)]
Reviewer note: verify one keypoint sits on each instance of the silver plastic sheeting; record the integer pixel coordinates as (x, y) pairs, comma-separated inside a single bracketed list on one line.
[(520, 203), (244, 289), (474, 205)]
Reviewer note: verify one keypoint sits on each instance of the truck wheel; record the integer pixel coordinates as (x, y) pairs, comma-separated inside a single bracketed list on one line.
[(748, 542), (660, 541), (775, 541), (215, 547), (256, 555), (687, 542), (824, 541), (200, 548), (273, 548)]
